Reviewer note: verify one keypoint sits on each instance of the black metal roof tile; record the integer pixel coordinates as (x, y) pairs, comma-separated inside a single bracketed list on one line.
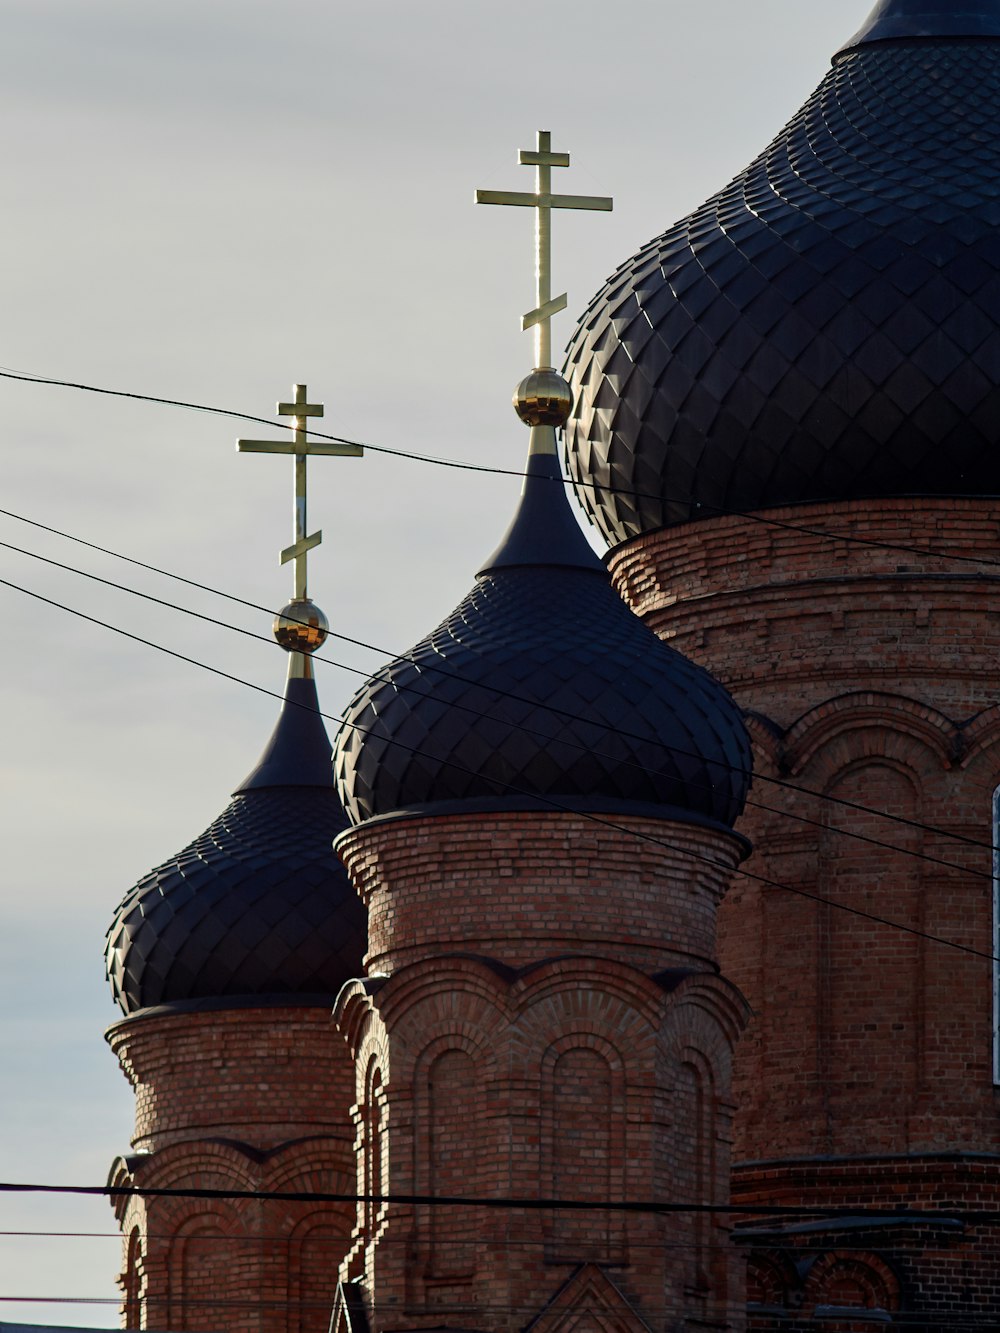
[(870, 226), (258, 904), (542, 685)]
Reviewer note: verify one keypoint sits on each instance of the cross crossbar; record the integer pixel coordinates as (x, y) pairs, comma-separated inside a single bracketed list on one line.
[(300, 446), (543, 201)]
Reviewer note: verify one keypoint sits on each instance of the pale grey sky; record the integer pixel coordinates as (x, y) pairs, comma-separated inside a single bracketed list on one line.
[(207, 200)]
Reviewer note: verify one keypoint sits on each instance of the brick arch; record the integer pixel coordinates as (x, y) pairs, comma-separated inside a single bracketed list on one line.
[(205, 1247), (609, 1051), (583, 1147), (768, 743), (315, 1248), (217, 1163), (869, 977), (120, 1177), (451, 1143), (697, 1118), (372, 1118), (452, 1139), (354, 1009), (771, 1279), (132, 1280), (828, 731), (712, 999), (323, 1164), (432, 979), (359, 1022), (853, 1279), (456, 1019), (706, 1014), (981, 741), (550, 982)]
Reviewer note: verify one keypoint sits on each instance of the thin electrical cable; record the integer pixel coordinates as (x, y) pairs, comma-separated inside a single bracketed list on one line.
[(500, 694), (510, 787), (781, 783), (458, 465), (530, 1204)]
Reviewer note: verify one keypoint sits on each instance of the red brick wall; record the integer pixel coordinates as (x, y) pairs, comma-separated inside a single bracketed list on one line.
[(872, 676), (948, 1273), (523, 886), (522, 1046), (264, 1076), (240, 1100), (788, 619)]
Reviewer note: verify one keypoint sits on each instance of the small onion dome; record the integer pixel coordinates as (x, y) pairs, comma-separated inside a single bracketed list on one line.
[(258, 905), (826, 327), (543, 690)]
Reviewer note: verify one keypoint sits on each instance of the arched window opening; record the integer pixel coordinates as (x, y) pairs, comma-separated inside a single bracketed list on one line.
[(131, 1282), (581, 1104)]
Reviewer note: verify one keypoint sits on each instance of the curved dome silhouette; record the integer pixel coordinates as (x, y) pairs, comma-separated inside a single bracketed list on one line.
[(543, 689), (258, 904), (826, 327)]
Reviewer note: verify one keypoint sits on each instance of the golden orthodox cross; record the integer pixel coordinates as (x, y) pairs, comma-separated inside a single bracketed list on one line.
[(299, 446), (543, 159)]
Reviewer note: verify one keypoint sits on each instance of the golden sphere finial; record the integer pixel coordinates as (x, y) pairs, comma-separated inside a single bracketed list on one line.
[(543, 398), (300, 627)]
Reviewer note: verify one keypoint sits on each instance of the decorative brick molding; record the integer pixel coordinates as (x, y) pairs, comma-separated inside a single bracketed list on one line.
[(549, 1023), (869, 676), (787, 615), (912, 1262), (523, 885), (579, 1078), (242, 1100)]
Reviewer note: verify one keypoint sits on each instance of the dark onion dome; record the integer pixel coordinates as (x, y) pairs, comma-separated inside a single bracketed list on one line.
[(825, 328), (258, 905), (543, 689)]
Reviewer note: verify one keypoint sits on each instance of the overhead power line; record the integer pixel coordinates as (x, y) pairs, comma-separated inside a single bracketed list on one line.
[(506, 694), (515, 790), (510, 1203), (459, 465), (430, 668)]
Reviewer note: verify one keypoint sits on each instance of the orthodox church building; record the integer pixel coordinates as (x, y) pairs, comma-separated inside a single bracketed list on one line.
[(564, 963)]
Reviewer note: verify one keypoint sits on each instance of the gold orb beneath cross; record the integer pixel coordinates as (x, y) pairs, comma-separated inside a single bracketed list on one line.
[(300, 627), (543, 398)]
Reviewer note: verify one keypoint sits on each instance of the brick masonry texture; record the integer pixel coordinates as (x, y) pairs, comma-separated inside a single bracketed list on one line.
[(869, 676), (948, 1272), (552, 1025), (521, 886), (239, 1099), (788, 617)]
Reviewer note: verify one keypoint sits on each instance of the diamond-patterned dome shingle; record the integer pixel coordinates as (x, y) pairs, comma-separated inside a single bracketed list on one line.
[(827, 326), (259, 903), (542, 685)]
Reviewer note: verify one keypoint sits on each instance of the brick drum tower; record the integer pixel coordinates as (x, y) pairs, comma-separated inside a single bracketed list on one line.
[(544, 796), (787, 427), (225, 962)]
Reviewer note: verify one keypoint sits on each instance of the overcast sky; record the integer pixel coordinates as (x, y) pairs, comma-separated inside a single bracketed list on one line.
[(208, 200)]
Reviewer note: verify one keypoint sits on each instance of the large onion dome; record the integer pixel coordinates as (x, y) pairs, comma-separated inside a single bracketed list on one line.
[(825, 328), (543, 689), (258, 905)]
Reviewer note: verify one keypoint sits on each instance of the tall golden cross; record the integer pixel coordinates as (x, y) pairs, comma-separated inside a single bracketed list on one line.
[(543, 159), (301, 409)]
